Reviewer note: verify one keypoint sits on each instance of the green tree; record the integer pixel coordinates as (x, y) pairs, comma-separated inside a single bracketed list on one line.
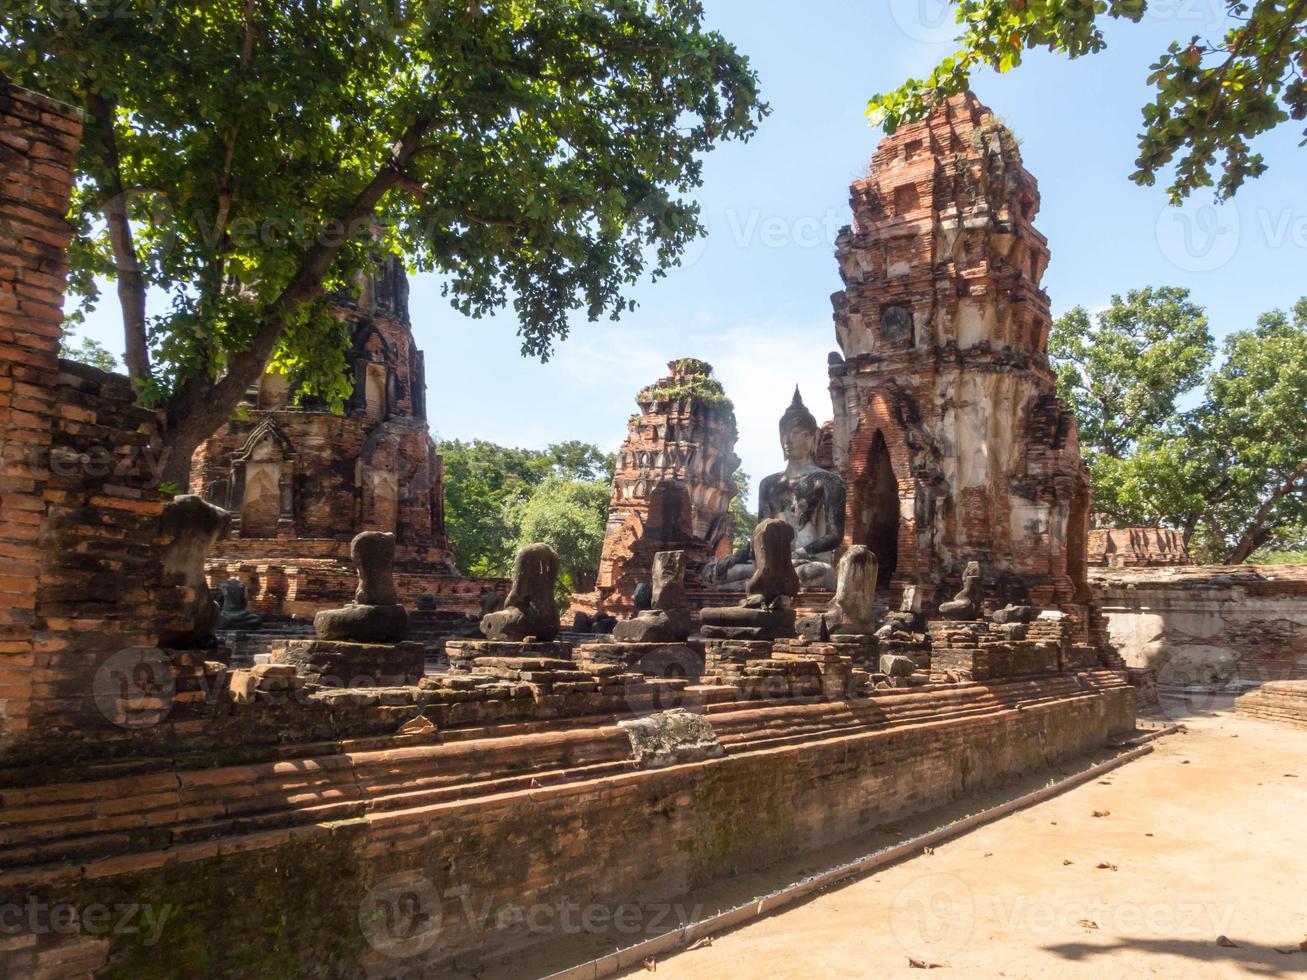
[(86, 351), (485, 481), (569, 516), (745, 520), (573, 460), (1211, 98), (1254, 424), (249, 159), (1123, 369), (1231, 473)]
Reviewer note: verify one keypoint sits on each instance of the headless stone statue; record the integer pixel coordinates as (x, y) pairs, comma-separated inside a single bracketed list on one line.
[(766, 612), (235, 613), (853, 610), (190, 526), (803, 495), (966, 604), (375, 616), (910, 617), (668, 621), (530, 609)]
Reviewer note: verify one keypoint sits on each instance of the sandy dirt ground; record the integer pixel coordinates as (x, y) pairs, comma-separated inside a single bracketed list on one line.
[(1136, 874)]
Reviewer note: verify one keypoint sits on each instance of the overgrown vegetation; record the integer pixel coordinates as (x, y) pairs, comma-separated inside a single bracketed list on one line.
[(1211, 96), (1230, 472), (694, 379)]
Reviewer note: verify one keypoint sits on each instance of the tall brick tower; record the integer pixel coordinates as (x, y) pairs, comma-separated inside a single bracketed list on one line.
[(301, 481), (673, 485), (947, 425)]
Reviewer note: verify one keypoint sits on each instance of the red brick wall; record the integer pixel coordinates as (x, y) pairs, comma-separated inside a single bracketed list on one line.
[(38, 143), (79, 505)]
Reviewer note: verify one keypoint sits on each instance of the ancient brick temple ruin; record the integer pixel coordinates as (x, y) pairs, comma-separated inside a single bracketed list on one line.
[(300, 481), (672, 488), (948, 430), (278, 818)]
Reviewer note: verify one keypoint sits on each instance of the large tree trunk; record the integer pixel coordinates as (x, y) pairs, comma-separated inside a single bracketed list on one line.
[(106, 168)]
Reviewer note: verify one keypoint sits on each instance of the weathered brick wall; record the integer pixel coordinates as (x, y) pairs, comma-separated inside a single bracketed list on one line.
[(481, 833), (1132, 547), (79, 508), (1209, 625), (38, 144)]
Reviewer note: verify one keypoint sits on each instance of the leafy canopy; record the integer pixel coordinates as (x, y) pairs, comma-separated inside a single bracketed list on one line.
[(1123, 369), (1231, 471), (484, 482), (744, 519), (248, 158), (1211, 98)]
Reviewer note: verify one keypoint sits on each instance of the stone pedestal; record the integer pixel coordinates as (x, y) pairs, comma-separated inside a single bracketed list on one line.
[(649, 659), (836, 670), (342, 663), (983, 652), (739, 623)]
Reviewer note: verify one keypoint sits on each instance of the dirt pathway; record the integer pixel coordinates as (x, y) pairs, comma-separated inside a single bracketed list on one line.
[(1205, 837)]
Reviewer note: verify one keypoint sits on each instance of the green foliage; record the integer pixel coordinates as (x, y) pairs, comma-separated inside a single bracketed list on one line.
[(86, 351), (1211, 97), (694, 380), (537, 154), (485, 482), (1254, 428), (745, 520), (1230, 472), (569, 516), (1123, 371)]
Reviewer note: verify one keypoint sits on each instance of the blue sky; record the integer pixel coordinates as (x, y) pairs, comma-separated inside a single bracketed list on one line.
[(753, 298)]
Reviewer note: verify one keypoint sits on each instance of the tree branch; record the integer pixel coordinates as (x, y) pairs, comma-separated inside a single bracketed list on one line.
[(1256, 533), (130, 281), (192, 411)]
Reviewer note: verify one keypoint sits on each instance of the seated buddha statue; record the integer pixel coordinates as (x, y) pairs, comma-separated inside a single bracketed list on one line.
[(803, 495)]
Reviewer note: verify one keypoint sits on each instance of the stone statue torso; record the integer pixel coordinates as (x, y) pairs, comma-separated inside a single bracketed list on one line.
[(811, 502)]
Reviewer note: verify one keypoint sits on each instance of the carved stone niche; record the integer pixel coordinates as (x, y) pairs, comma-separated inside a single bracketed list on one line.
[(262, 491), (896, 326)]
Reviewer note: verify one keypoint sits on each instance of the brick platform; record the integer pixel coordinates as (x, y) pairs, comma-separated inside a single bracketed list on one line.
[(524, 818), (1282, 702)]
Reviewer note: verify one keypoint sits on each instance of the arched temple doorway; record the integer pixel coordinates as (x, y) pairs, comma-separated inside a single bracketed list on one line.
[(878, 502)]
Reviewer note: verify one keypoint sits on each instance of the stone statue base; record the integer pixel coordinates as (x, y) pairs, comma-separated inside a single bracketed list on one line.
[(362, 623), (338, 663), (655, 626), (744, 623), (649, 659)]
